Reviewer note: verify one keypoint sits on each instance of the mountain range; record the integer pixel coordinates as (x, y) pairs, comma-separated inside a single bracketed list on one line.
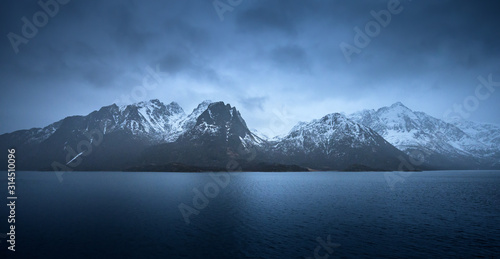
[(152, 136), (432, 142)]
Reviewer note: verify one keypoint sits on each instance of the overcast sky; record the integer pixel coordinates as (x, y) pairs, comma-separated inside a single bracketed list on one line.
[(278, 62)]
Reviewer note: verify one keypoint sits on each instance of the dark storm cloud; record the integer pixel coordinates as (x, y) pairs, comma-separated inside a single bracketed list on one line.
[(190, 35), (127, 31), (183, 61), (173, 63), (292, 57), (101, 75), (262, 19), (264, 55)]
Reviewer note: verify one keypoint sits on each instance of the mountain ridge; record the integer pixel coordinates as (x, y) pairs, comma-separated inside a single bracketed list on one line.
[(214, 133), (418, 134)]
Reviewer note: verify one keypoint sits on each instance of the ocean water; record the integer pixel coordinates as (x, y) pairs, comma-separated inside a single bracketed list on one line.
[(440, 214)]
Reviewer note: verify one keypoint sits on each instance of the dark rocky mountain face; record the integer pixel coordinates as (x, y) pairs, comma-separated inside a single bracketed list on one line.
[(108, 139), (219, 137)]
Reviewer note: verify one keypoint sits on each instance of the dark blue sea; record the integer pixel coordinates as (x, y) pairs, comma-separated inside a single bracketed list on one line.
[(438, 214)]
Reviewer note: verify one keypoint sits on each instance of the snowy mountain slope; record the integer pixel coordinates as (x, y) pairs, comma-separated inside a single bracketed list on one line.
[(186, 123), (34, 135), (118, 135), (214, 133), (260, 135), (488, 134), (125, 131), (152, 120), (325, 133), (222, 120), (417, 133), (336, 142), (218, 136)]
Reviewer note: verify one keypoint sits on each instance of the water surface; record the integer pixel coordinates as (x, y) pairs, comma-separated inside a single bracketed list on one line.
[(441, 214)]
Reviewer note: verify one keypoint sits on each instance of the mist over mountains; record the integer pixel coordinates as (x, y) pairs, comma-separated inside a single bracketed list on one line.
[(153, 136)]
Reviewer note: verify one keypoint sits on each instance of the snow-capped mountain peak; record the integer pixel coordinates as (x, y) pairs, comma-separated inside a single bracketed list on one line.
[(413, 131), (488, 134), (334, 141), (333, 128), (399, 104)]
